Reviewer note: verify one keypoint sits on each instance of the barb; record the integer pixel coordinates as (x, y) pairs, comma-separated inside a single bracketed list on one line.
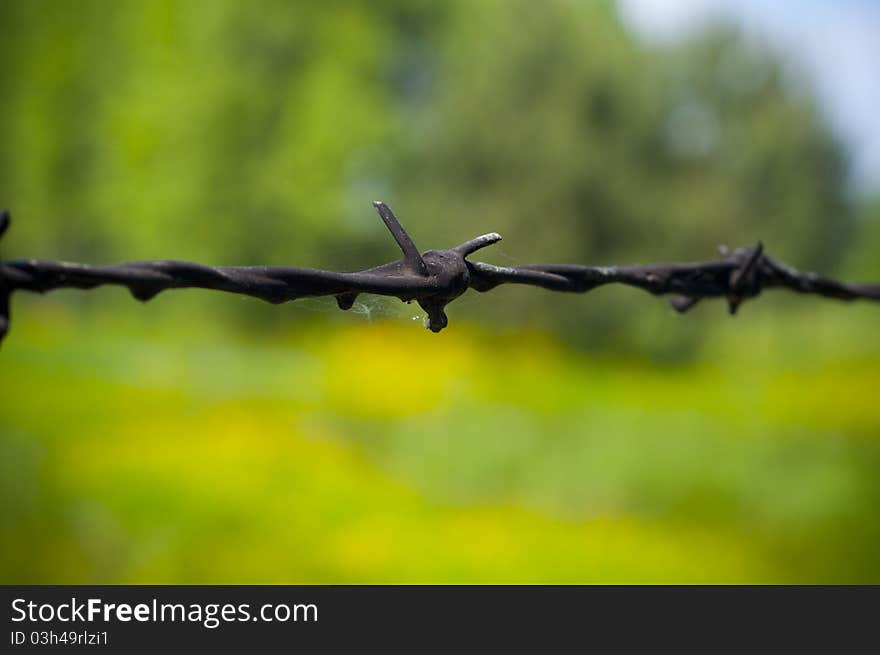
[(433, 278)]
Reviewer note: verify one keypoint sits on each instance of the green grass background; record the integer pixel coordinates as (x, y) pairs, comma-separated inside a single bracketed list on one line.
[(155, 446)]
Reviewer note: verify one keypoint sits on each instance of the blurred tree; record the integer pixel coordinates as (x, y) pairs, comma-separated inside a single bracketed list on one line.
[(553, 126), (242, 133), (219, 131)]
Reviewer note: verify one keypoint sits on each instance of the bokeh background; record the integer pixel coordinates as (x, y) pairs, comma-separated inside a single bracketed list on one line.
[(541, 437)]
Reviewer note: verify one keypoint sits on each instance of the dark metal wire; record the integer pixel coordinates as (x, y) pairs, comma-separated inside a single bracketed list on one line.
[(433, 278)]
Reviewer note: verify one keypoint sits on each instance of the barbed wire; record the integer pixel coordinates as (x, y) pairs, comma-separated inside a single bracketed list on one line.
[(433, 278)]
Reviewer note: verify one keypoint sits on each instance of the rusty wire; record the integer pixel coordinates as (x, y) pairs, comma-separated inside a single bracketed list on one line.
[(433, 278)]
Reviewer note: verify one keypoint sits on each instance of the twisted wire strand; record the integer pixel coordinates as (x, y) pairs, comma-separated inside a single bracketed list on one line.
[(432, 278)]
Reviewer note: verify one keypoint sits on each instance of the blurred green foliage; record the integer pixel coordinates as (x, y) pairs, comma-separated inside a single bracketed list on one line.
[(164, 443), (145, 448), (214, 130), (578, 144), (243, 134)]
